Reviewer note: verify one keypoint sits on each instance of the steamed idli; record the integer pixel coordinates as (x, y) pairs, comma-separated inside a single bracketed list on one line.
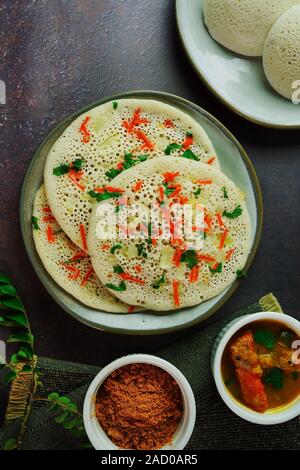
[(281, 57), (66, 264), (242, 26), (162, 274)]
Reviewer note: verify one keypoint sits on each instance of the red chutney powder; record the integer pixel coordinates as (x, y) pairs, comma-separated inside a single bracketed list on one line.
[(139, 406)]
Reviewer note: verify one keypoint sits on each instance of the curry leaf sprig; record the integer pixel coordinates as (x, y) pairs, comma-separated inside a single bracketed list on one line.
[(70, 418), (13, 315)]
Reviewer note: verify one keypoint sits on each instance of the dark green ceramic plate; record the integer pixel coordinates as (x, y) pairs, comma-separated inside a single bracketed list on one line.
[(235, 164)]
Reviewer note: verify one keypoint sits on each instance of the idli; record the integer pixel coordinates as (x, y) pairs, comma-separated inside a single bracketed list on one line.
[(242, 26), (281, 57), (107, 140), (163, 273), (67, 265)]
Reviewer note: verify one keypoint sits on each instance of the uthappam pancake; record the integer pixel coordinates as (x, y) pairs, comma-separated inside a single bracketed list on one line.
[(162, 274), (108, 140), (66, 263)]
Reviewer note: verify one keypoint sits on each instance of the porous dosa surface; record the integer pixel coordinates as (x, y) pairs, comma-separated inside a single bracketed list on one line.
[(242, 25), (108, 143), (281, 58), (218, 196), (56, 258)]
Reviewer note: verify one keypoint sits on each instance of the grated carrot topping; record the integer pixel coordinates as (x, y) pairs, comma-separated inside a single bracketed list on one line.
[(183, 199), (194, 274), (87, 277), (86, 135), (230, 253), (220, 220), (210, 161), (168, 123), (204, 182), (128, 277), (207, 258), (169, 176), (175, 193), (223, 239), (161, 193), (138, 186), (49, 218), (74, 180), (105, 247), (176, 293), (188, 142), (109, 189), (83, 236), (207, 220), (135, 121), (79, 255), (177, 257), (142, 136)]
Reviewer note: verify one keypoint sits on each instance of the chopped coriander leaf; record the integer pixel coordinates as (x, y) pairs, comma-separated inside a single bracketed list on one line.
[(65, 168), (118, 269), (34, 221), (77, 164), (168, 191), (190, 155), (160, 282), (149, 241), (190, 258), (225, 195), (295, 375), (128, 161), (240, 273), (120, 288), (141, 251), (117, 209), (115, 105), (189, 134), (112, 173), (265, 338), (61, 170), (103, 196), (113, 249), (197, 192), (217, 269), (286, 338), (234, 214), (274, 377), (171, 148)]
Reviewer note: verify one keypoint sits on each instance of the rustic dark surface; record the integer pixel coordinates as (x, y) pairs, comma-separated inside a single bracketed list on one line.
[(57, 56)]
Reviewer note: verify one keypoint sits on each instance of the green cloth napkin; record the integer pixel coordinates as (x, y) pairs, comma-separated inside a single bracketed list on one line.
[(216, 426)]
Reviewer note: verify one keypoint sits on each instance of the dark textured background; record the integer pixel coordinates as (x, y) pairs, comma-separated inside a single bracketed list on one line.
[(59, 55)]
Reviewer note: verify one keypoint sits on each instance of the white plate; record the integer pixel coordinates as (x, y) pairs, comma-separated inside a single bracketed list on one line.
[(239, 82)]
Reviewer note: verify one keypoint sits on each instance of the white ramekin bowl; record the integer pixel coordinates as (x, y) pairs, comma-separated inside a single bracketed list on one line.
[(96, 434), (274, 416)]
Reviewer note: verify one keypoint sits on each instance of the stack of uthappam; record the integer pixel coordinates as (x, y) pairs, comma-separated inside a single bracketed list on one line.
[(149, 161)]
